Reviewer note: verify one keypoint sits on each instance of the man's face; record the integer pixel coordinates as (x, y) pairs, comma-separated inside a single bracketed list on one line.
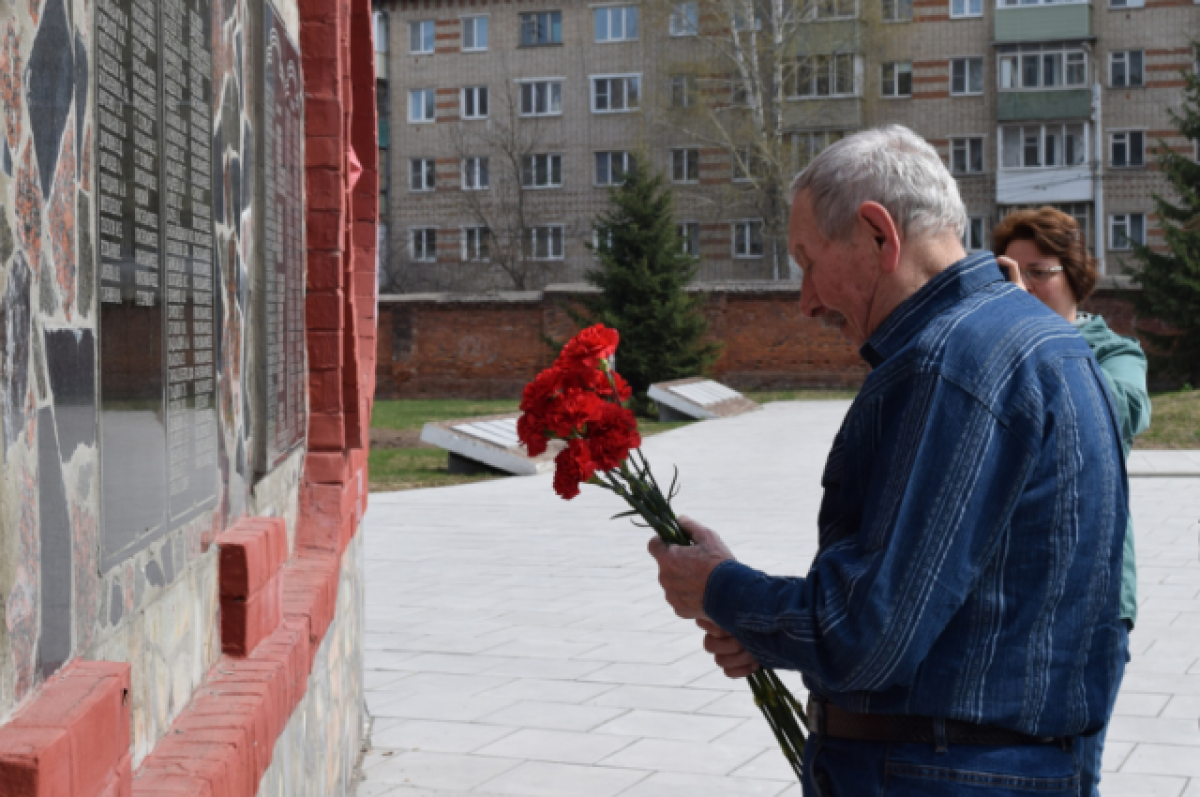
[(839, 278)]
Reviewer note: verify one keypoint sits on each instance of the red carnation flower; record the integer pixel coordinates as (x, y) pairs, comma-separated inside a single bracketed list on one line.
[(611, 436), (585, 351), (572, 467)]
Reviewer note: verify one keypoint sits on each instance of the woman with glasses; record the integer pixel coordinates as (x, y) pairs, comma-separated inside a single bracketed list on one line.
[(1044, 252)]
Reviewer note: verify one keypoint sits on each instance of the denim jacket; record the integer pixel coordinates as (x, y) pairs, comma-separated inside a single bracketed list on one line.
[(971, 530)]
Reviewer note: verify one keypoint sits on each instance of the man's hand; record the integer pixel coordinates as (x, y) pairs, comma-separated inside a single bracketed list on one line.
[(735, 660), (683, 571)]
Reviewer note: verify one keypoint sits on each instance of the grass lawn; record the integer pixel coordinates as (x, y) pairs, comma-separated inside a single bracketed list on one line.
[(1174, 421), (400, 461)]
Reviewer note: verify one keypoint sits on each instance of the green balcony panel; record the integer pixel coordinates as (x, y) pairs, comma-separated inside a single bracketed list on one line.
[(1014, 106), (1044, 23), (383, 132)]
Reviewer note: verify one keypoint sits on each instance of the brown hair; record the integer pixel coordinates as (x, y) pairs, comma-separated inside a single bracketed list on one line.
[(1055, 234)]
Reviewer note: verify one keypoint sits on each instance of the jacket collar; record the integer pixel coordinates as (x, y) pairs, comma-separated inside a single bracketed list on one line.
[(957, 282)]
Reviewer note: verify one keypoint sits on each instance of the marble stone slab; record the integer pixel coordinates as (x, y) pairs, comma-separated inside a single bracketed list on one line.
[(491, 441), (698, 399)]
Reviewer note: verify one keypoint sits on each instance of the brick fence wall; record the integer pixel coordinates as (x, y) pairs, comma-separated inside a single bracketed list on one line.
[(489, 346)]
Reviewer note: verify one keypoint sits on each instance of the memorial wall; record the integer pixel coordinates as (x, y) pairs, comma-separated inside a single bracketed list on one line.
[(154, 380)]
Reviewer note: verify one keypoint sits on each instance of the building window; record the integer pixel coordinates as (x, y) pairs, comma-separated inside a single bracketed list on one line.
[(421, 174), (475, 174), (1080, 211), (475, 102), (422, 243), (747, 164), (541, 28), (1043, 146), (611, 167), (960, 9), (1042, 66), (421, 107), (421, 37), (966, 155), (685, 165), (1016, 3), (1125, 69), (748, 239), (822, 76), (840, 9), (973, 233), (615, 93), (545, 243), (809, 144), (897, 10), (1127, 3), (541, 98), (616, 23), (689, 237), (1127, 149), (474, 34), (683, 91), (1125, 230), (475, 242), (966, 76), (685, 19), (541, 171), (896, 79), (739, 18)]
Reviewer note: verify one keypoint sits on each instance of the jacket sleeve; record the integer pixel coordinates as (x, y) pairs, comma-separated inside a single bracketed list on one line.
[(1124, 365), (876, 600)]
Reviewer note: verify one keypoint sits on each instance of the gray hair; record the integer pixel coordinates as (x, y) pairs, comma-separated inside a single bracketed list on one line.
[(890, 165)]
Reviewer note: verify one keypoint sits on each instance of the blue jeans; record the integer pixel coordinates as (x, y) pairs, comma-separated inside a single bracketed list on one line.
[(842, 768), (1091, 748)]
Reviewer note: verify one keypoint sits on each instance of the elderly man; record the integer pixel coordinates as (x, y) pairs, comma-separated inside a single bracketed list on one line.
[(957, 630)]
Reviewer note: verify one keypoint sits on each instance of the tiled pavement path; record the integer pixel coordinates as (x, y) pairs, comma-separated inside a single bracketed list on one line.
[(518, 644)]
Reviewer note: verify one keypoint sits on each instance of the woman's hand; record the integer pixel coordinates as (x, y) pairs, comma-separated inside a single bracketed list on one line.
[(1008, 265)]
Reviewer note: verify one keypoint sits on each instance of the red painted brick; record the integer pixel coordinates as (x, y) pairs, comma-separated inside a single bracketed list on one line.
[(171, 785), (326, 432), (252, 552), (120, 783), (324, 230), (323, 117), (325, 189), (245, 622), (35, 762), (324, 349), (324, 309), (325, 468)]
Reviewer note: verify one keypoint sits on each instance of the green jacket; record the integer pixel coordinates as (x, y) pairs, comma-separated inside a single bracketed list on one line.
[(1124, 363)]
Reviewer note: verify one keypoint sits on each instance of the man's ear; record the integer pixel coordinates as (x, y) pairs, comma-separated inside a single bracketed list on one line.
[(878, 224)]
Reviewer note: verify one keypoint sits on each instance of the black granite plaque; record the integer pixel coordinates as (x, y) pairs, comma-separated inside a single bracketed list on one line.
[(157, 419), (283, 241)]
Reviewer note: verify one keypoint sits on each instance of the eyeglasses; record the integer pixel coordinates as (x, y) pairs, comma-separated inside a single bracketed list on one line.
[(1040, 274)]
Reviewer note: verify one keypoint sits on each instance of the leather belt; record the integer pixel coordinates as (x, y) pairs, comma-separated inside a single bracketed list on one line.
[(826, 719)]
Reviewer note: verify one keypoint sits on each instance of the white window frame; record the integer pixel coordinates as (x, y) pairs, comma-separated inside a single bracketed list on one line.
[(831, 79), (1129, 137), (548, 230), (634, 78), (975, 224), (686, 84), (896, 5), (623, 14), (684, 230), (475, 174), (1128, 3), (422, 175), (521, 20), (626, 159), (1059, 128), (685, 19), (967, 145), (899, 69), (1126, 58), (427, 103), (478, 93), (749, 225), (744, 164), (474, 21), (829, 10), (1003, 5), (969, 9), (529, 167), (813, 142), (551, 87), (967, 63), (1126, 220), (427, 46), (687, 158), (425, 253), (475, 243), (1017, 53)]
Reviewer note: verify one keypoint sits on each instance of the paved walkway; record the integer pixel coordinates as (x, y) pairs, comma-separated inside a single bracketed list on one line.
[(519, 644)]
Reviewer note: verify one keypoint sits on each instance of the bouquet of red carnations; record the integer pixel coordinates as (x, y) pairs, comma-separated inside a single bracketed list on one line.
[(580, 400)]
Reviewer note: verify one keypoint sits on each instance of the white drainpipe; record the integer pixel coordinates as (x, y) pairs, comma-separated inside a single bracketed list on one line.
[(1098, 178)]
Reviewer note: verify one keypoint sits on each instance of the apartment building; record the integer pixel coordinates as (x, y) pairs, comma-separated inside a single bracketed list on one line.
[(504, 124)]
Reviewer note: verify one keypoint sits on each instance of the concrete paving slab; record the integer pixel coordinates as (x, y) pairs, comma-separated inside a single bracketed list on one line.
[(551, 616)]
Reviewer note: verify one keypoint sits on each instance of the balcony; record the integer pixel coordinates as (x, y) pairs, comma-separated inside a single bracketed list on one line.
[(1069, 21), (1044, 186), (1014, 106)]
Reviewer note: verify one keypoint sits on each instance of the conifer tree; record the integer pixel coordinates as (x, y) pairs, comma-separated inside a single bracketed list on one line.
[(642, 275), (1170, 280)]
